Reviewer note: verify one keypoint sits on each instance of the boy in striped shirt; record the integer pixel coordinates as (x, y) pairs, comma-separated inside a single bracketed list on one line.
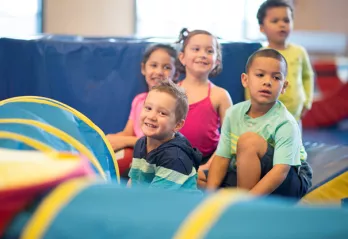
[(164, 158)]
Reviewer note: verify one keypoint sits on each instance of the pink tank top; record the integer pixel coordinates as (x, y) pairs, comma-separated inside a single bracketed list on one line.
[(137, 106), (202, 125)]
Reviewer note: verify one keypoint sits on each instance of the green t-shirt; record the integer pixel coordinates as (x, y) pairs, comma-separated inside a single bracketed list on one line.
[(278, 127)]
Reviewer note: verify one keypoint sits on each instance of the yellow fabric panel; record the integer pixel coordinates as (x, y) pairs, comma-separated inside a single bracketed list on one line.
[(331, 192), (27, 140), (51, 206), (202, 219), (20, 168)]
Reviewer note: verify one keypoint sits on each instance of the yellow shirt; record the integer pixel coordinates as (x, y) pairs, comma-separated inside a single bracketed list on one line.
[(299, 93)]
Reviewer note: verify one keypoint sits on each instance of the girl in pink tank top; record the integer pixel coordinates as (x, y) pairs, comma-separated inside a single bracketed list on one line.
[(158, 64), (202, 125), (200, 57)]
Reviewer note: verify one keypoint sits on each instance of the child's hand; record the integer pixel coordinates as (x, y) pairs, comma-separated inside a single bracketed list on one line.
[(204, 167), (117, 142)]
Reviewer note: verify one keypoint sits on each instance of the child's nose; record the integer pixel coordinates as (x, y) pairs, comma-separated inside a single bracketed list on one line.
[(159, 71), (152, 115), (283, 24), (267, 81), (203, 55)]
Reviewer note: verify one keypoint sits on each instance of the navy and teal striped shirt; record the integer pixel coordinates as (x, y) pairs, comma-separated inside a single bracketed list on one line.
[(173, 165)]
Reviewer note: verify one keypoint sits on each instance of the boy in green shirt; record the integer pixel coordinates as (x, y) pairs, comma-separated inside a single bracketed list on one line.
[(260, 147)]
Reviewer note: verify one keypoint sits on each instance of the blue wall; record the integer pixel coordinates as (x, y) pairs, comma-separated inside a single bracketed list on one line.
[(96, 76)]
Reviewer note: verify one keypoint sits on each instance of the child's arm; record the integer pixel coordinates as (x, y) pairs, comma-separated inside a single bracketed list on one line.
[(286, 153), (128, 129), (124, 138), (272, 180), (206, 166), (222, 155), (307, 80), (120, 142), (225, 102), (217, 171)]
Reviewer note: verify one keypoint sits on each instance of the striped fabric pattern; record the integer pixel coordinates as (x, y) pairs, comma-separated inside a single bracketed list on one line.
[(154, 176), (173, 165)]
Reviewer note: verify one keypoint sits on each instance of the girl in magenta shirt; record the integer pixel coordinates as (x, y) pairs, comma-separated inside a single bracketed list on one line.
[(201, 58)]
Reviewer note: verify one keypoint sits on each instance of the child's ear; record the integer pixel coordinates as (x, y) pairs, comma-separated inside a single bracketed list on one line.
[(262, 29), (181, 58), (143, 69), (244, 78), (179, 125), (284, 87)]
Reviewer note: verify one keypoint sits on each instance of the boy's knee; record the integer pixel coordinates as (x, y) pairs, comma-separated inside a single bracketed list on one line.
[(251, 141)]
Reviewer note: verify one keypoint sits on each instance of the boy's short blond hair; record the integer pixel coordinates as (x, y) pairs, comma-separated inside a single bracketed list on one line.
[(178, 94)]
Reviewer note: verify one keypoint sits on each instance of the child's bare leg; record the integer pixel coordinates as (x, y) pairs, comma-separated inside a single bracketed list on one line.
[(202, 180), (250, 149)]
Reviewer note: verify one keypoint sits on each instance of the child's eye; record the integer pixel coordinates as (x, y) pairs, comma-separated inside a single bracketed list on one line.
[(162, 113), (153, 65), (211, 51), (147, 108), (167, 67), (287, 20), (259, 75), (277, 77), (195, 49)]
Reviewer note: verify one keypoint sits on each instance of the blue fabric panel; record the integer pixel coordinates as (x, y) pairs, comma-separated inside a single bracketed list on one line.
[(97, 77), (72, 125), (327, 162), (333, 136), (29, 131), (107, 211), (60, 119), (234, 58), (273, 218), (34, 133)]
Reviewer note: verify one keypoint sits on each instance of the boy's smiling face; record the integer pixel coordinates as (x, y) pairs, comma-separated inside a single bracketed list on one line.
[(158, 119), (265, 80)]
